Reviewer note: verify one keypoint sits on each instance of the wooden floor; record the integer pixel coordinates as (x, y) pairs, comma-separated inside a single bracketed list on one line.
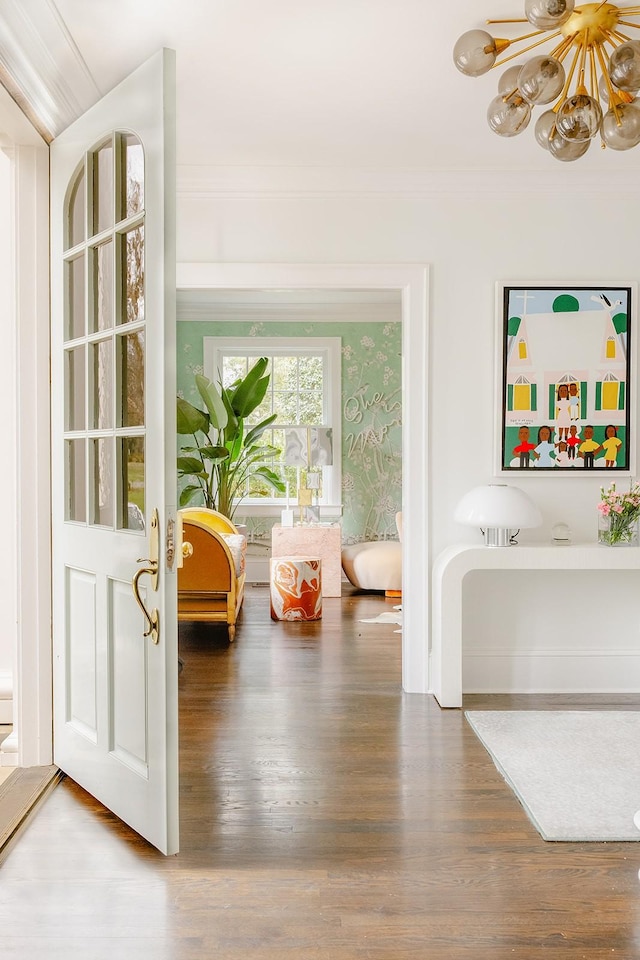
[(325, 815)]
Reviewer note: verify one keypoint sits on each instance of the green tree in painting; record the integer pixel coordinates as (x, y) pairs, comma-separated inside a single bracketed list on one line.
[(566, 303)]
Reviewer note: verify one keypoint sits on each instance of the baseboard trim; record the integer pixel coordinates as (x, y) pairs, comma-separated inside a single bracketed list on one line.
[(595, 671)]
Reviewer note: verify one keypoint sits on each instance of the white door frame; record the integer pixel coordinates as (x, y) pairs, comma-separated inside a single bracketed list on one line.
[(31, 741), (411, 280)]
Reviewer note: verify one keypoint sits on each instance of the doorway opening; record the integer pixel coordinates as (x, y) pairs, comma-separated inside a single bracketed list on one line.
[(352, 340), (201, 285)]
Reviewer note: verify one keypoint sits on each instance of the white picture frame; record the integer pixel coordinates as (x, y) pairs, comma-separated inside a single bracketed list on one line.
[(565, 384)]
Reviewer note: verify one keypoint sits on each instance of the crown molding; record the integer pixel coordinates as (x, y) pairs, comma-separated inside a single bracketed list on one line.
[(41, 66), (213, 182), (289, 307)]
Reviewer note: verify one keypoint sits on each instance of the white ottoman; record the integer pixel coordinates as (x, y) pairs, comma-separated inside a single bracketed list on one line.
[(374, 565)]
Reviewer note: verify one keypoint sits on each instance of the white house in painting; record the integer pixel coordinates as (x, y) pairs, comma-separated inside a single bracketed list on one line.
[(550, 349)]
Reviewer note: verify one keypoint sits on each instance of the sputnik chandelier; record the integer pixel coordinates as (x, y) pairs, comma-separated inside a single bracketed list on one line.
[(592, 73)]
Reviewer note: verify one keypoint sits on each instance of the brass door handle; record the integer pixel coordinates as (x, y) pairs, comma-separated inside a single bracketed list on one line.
[(153, 618), (152, 568)]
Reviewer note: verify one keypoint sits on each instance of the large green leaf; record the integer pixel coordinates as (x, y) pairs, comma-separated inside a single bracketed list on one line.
[(217, 454), (190, 465), (259, 429), (190, 419), (213, 401), (250, 392), (235, 447), (188, 494), (233, 424), (271, 478)]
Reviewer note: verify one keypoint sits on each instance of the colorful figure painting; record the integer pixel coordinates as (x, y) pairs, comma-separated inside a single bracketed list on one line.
[(566, 378)]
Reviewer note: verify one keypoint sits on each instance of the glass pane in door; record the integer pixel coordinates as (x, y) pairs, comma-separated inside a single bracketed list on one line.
[(75, 306), (76, 212), (132, 379), (133, 276), (102, 293), (133, 170), (103, 196), (102, 384), (133, 483), (75, 380), (75, 480), (102, 470)]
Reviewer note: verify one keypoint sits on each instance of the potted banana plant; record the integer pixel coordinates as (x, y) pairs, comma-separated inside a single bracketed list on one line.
[(224, 453)]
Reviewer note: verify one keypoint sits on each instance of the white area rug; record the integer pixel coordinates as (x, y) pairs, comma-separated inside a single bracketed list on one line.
[(576, 773), (387, 617)]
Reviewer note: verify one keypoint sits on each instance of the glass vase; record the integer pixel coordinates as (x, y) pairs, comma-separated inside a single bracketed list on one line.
[(616, 530)]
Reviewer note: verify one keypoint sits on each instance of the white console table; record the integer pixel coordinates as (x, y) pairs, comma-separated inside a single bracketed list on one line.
[(452, 566)]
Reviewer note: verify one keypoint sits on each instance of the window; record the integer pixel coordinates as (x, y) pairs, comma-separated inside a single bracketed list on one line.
[(522, 395), (304, 390), (104, 337), (610, 393)]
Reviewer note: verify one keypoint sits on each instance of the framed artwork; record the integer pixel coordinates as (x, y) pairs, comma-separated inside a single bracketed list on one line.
[(565, 388)]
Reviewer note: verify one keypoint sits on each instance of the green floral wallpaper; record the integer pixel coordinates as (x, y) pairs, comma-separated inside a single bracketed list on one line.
[(371, 412)]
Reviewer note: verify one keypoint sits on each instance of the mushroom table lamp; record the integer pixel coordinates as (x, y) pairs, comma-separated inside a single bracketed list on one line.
[(500, 511)]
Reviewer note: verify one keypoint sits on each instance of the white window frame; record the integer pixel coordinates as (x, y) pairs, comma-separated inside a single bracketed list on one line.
[(330, 348)]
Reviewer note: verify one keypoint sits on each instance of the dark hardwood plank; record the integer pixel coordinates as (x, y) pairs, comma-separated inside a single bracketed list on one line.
[(325, 815)]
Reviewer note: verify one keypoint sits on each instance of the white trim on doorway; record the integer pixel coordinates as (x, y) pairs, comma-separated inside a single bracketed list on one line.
[(31, 739), (412, 281)]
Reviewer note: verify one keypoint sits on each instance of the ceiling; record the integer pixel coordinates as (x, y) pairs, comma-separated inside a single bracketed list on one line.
[(291, 83)]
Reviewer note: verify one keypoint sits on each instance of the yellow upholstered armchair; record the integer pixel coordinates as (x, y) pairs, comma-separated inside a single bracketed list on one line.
[(211, 580)]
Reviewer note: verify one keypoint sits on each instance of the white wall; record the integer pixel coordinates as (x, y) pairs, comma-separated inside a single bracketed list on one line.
[(569, 232), (8, 599)]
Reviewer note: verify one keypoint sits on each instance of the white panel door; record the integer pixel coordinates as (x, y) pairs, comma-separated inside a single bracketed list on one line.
[(113, 451)]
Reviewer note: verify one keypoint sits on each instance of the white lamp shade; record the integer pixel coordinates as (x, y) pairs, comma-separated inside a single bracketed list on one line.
[(498, 505)]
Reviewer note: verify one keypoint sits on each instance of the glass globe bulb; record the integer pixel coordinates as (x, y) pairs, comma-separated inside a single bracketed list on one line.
[(541, 79), (544, 128), (579, 117), (509, 117), (548, 14), (603, 90), (508, 82), (625, 134), (624, 66), (475, 53), (567, 150)]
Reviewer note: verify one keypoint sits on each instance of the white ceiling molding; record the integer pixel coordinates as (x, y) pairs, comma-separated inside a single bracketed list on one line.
[(14, 126), (210, 182), (266, 306), (42, 67)]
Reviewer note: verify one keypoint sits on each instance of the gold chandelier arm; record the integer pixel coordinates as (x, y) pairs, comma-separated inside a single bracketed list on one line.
[(614, 99), (594, 72), (523, 20), (561, 51), (622, 37), (584, 47), (567, 83), (531, 46), (627, 23), (527, 36)]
